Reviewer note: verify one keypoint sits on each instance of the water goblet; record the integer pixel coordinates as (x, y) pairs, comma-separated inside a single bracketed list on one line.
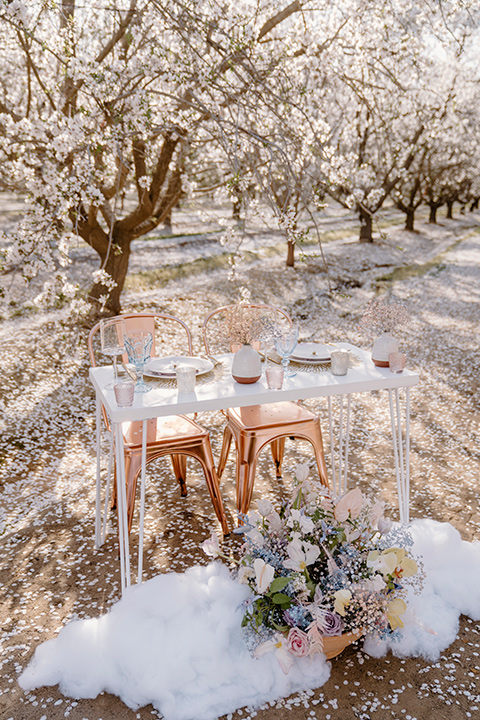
[(285, 342), (138, 344), (112, 332)]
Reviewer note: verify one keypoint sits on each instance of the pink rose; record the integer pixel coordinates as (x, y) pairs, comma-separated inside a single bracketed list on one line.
[(298, 642)]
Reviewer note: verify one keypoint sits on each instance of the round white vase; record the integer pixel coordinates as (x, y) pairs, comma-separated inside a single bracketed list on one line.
[(382, 347), (246, 365)]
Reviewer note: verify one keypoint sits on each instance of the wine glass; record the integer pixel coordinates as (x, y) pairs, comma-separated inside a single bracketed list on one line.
[(112, 331), (138, 344), (285, 342)]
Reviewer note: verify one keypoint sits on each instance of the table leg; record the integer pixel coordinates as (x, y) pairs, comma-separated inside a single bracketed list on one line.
[(107, 490), (142, 501), (402, 460), (98, 429), (122, 509), (339, 482)]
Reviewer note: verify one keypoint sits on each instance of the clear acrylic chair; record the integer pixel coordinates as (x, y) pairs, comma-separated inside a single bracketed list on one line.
[(178, 436), (258, 425)]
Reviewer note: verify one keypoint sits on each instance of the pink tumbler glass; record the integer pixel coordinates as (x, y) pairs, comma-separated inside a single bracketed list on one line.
[(396, 362)]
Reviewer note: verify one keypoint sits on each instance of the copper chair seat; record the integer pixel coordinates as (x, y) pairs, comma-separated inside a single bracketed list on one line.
[(178, 436), (256, 418), (254, 427)]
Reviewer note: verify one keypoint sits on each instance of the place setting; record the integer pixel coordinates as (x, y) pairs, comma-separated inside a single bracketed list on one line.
[(142, 372), (312, 356)]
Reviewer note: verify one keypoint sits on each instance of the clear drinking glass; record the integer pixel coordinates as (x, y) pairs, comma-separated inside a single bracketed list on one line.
[(186, 379), (138, 344), (285, 343), (339, 362), (112, 332)]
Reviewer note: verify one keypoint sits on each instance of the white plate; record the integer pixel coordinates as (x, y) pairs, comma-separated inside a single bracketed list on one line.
[(312, 352), (165, 367)]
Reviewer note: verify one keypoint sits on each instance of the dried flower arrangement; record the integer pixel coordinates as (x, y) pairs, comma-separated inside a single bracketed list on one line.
[(244, 324)]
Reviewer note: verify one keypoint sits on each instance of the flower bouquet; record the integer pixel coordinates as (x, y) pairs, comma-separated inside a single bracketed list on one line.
[(246, 327), (323, 572)]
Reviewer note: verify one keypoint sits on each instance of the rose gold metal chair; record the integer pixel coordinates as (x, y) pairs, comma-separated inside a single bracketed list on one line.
[(255, 426), (177, 436)]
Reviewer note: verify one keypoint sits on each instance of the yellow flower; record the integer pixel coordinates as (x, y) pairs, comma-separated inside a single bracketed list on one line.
[(384, 563), (342, 599), (399, 552), (408, 567), (393, 561), (396, 608)]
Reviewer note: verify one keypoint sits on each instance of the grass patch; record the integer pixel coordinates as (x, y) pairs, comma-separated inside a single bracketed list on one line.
[(436, 264), (172, 236), (160, 277)]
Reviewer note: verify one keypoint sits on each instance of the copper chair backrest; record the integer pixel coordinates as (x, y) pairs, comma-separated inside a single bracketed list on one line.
[(214, 339)]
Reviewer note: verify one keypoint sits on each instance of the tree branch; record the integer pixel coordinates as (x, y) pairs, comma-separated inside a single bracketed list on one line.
[(33, 67), (119, 34), (294, 7)]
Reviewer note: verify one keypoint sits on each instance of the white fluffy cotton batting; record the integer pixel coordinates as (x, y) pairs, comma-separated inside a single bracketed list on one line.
[(175, 642)]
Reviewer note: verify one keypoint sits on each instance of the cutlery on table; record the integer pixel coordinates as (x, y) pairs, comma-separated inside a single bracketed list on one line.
[(129, 372), (213, 360)]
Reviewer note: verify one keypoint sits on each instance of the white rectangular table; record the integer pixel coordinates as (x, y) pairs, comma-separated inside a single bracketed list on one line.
[(225, 393)]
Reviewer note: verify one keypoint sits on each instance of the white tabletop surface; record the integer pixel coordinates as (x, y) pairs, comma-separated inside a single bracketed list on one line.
[(225, 392)]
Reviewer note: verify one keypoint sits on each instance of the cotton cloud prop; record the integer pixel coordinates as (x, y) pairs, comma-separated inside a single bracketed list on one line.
[(176, 642)]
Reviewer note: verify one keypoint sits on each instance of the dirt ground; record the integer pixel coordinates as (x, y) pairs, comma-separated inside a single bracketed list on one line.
[(50, 571)]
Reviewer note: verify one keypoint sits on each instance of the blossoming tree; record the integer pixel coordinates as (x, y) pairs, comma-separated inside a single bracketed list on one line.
[(108, 114)]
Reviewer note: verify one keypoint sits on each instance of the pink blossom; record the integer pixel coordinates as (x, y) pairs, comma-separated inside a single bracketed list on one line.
[(298, 642), (376, 512), (349, 505), (211, 546)]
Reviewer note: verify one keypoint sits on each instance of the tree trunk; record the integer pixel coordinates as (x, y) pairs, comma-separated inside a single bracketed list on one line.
[(449, 209), (366, 223), (433, 213), (290, 254), (167, 224), (116, 266), (410, 219)]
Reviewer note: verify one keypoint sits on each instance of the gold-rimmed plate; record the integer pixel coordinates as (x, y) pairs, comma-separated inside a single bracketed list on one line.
[(310, 352), (166, 367)]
